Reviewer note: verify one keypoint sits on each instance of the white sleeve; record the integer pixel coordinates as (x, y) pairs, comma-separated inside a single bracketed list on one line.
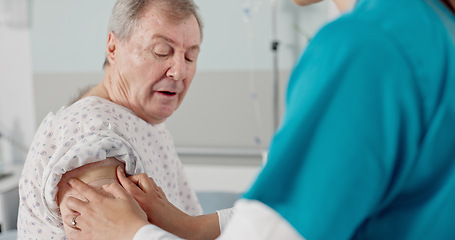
[(254, 220), (224, 216), (152, 232)]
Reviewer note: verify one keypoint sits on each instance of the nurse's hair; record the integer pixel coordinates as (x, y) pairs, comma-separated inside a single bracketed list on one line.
[(126, 14)]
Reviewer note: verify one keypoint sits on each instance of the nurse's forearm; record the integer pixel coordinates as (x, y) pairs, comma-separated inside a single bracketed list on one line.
[(200, 227)]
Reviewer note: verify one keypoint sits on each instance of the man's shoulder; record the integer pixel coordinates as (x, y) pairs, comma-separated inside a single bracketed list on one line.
[(93, 107), (87, 114)]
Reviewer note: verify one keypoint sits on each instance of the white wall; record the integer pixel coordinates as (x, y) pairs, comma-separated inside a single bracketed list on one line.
[(69, 35), (17, 113)]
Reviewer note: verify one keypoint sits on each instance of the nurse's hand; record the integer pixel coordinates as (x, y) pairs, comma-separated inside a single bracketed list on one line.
[(164, 214), (104, 217), (153, 201)]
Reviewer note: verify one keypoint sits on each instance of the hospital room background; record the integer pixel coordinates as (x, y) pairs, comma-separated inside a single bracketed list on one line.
[(51, 49)]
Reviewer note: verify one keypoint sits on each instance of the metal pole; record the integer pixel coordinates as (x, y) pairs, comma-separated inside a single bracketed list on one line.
[(275, 43)]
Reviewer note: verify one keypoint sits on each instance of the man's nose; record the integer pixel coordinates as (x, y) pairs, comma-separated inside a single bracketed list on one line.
[(177, 70)]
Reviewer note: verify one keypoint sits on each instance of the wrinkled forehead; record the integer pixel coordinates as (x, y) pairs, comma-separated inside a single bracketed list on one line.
[(160, 13), (154, 22), (153, 26)]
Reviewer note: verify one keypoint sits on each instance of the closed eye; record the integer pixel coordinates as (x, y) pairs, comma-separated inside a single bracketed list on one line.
[(192, 54), (162, 50), (160, 55)]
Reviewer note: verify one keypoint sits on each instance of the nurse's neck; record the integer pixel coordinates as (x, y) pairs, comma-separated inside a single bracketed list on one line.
[(450, 4)]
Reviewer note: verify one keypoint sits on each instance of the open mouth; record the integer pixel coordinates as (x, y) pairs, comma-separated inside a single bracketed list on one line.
[(167, 93)]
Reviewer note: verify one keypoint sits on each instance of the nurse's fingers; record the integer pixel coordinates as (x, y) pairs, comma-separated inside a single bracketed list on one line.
[(129, 186), (85, 190), (157, 188), (144, 182), (76, 205), (116, 190), (72, 221), (161, 193), (137, 185)]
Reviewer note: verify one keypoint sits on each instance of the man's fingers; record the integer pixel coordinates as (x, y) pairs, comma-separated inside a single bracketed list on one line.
[(85, 190)]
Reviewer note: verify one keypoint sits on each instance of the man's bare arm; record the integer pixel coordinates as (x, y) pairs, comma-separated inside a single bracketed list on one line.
[(94, 174)]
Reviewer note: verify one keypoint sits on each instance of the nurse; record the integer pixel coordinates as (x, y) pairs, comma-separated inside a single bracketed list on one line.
[(366, 149)]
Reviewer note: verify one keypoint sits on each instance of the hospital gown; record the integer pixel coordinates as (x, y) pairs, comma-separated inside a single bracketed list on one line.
[(92, 130)]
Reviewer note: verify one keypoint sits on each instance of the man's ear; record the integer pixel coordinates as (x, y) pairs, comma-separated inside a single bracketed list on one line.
[(111, 47)]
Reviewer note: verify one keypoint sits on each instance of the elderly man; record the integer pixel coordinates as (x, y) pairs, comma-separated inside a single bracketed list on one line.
[(151, 53)]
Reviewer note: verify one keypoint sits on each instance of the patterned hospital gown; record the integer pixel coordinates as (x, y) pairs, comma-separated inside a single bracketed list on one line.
[(92, 130)]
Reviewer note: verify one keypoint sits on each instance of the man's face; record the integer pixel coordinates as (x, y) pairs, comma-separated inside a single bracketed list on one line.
[(155, 67)]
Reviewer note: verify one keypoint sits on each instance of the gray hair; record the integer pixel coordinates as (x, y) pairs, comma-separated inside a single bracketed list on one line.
[(126, 14)]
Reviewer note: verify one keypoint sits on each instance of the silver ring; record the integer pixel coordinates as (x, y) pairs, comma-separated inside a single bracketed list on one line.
[(73, 221)]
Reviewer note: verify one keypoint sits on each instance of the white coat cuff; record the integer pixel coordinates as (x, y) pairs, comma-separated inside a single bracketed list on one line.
[(224, 216)]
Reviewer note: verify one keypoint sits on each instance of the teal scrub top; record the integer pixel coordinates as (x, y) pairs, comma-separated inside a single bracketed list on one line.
[(366, 149)]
